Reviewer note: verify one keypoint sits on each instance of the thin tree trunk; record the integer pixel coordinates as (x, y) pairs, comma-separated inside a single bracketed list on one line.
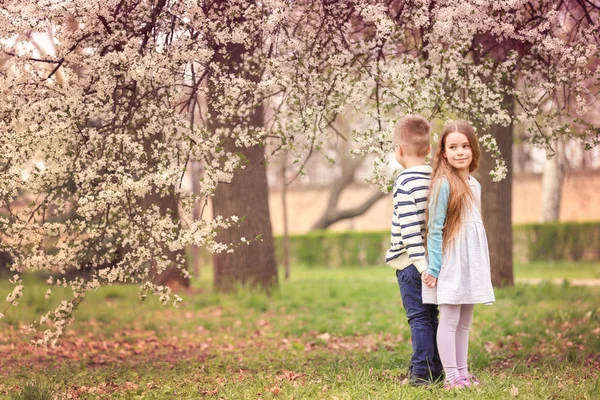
[(552, 181), (496, 199), (196, 172), (286, 236)]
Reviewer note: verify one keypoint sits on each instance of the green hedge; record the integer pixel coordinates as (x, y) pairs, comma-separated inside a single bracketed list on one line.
[(531, 242), (557, 241), (334, 249)]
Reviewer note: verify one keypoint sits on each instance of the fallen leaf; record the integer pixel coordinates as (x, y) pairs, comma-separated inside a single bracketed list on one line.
[(514, 391), (275, 390), (209, 392), (289, 375), (489, 347), (130, 385)]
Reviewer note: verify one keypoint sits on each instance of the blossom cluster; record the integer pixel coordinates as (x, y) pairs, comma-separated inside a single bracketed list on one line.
[(105, 105), (465, 59)]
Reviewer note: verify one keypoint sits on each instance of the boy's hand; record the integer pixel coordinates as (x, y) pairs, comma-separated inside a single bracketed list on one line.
[(428, 280)]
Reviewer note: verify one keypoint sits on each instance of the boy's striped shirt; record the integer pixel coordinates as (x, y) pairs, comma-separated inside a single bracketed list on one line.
[(408, 219)]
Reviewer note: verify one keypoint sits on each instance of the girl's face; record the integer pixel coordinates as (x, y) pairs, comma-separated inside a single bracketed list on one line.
[(457, 151)]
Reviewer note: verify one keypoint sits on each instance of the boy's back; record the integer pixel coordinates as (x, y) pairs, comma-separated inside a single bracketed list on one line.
[(411, 189)]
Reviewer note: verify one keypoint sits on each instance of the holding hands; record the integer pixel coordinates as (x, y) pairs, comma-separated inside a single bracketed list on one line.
[(428, 280)]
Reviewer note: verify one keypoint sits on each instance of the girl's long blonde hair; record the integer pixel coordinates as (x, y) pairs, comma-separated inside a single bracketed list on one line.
[(461, 196)]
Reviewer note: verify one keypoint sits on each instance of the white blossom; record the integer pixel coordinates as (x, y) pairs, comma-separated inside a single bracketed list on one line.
[(101, 122)]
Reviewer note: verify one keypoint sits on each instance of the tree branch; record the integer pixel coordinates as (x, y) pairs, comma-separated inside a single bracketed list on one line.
[(331, 218)]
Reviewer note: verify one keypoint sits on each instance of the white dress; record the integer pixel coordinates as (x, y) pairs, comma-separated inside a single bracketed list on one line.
[(465, 274)]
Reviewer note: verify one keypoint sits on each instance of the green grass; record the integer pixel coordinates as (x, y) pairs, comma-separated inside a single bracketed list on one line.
[(36, 389), (558, 270), (325, 334)]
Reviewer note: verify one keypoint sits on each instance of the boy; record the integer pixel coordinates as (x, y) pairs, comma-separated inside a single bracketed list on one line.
[(407, 251)]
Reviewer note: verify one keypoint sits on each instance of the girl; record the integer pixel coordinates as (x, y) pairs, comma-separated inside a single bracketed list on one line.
[(458, 272)]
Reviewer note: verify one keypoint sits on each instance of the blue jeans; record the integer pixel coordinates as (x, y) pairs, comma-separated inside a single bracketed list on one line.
[(423, 321)]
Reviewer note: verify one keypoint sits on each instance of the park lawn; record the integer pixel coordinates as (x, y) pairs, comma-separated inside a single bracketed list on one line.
[(325, 334), (558, 270)]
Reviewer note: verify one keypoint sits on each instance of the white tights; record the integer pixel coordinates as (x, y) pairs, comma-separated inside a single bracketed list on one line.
[(453, 338)]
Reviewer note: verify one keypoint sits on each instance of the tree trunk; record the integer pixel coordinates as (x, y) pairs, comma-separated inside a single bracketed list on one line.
[(286, 235), (247, 197), (552, 184), (196, 172), (170, 277), (496, 202), (6, 262)]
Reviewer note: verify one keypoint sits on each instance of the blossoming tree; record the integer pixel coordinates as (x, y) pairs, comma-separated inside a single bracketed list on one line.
[(494, 64), (105, 123)]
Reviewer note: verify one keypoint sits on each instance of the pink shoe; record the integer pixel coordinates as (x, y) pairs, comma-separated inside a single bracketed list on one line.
[(458, 383), (474, 380)]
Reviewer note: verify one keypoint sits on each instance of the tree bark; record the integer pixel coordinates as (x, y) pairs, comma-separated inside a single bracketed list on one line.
[(496, 202), (247, 197)]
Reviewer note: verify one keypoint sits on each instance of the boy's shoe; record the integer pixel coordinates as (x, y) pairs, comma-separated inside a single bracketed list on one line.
[(419, 380), (460, 382), (424, 380), (437, 377)]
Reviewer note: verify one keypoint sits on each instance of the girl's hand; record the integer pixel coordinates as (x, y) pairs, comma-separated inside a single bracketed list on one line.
[(428, 280), (433, 282)]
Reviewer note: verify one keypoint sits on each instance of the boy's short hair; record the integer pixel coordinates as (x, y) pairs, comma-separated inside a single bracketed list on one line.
[(412, 132)]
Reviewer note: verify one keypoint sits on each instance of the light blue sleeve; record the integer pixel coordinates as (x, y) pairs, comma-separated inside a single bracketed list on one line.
[(438, 206)]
